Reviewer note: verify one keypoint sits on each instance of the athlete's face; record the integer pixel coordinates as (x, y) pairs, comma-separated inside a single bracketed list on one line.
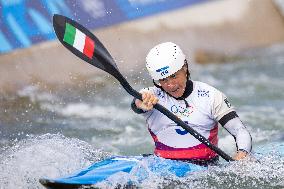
[(176, 83)]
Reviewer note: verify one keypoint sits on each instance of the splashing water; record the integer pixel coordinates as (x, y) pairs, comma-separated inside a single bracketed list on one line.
[(49, 155)]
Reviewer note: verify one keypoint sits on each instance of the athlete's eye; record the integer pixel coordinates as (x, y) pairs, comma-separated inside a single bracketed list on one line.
[(173, 76)]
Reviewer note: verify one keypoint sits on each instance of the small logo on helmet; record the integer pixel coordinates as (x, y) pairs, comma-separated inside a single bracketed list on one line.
[(163, 70)]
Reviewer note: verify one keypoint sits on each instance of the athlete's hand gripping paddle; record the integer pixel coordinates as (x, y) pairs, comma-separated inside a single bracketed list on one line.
[(87, 46)]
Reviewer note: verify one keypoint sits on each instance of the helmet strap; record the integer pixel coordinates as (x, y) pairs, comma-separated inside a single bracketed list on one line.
[(187, 70), (158, 86)]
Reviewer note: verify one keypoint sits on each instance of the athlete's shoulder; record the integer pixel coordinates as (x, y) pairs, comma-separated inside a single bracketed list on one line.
[(200, 84)]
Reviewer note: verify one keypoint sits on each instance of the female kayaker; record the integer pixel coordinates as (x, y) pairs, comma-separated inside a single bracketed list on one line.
[(198, 104)]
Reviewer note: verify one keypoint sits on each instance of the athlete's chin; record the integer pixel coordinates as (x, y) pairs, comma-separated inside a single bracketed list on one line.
[(176, 94)]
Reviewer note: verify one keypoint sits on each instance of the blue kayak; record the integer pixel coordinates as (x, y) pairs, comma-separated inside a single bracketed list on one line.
[(137, 165), (141, 168)]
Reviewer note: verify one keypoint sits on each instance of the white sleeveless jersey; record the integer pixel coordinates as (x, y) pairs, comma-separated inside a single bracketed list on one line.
[(206, 106)]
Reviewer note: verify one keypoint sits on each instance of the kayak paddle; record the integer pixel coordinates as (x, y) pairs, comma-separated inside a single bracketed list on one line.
[(87, 46)]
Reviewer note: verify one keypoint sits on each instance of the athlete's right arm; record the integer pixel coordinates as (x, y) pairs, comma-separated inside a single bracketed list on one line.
[(148, 101)]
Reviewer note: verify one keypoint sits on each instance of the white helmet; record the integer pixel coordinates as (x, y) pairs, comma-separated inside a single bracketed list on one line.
[(164, 60)]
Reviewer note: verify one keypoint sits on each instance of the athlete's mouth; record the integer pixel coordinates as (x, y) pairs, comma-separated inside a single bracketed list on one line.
[(175, 90)]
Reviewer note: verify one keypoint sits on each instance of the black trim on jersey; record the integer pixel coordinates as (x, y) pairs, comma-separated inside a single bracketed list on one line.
[(228, 117), (135, 108), (188, 90)]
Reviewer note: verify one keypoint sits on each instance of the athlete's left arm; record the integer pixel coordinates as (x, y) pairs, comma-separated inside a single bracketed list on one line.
[(226, 115), (241, 135)]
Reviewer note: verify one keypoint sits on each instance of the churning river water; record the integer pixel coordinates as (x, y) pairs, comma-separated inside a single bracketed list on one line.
[(54, 131)]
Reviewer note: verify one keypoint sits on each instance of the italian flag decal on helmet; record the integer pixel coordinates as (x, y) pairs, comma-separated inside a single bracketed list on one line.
[(79, 40)]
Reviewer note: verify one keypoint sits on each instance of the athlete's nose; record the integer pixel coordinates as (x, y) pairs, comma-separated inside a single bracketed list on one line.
[(171, 84)]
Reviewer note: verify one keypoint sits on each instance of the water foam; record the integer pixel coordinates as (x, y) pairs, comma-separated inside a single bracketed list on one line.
[(49, 155)]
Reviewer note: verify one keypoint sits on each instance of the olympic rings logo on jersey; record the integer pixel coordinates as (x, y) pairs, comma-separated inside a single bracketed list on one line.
[(181, 111)]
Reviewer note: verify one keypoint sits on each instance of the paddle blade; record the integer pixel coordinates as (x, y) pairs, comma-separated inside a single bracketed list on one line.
[(83, 44)]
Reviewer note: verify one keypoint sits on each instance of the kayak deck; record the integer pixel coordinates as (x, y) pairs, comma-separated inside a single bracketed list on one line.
[(137, 166)]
